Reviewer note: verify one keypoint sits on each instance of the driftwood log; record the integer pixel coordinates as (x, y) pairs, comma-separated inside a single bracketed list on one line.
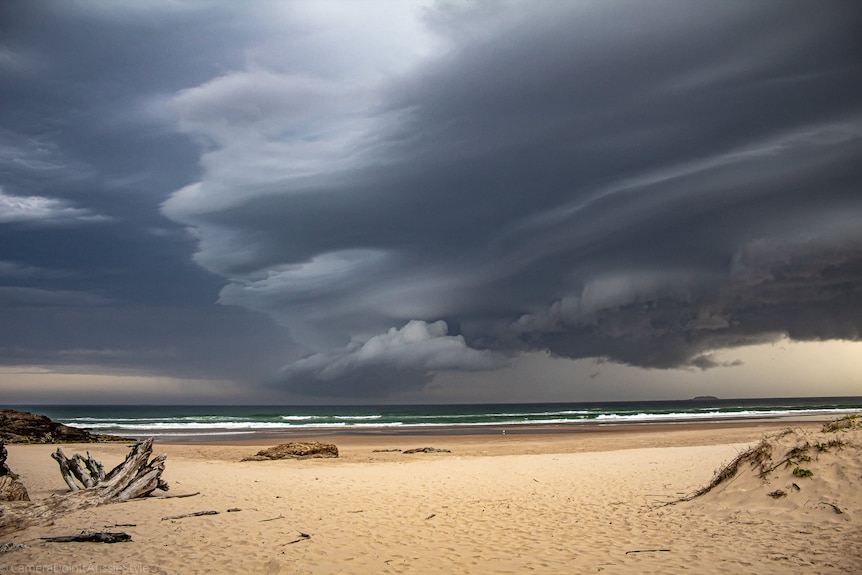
[(184, 515), (91, 537), (137, 476)]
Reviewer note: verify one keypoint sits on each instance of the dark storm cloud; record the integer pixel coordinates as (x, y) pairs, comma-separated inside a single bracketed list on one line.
[(92, 277), (642, 182), (411, 190)]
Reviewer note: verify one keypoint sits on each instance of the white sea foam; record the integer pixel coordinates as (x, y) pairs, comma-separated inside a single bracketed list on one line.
[(267, 419), (743, 414)]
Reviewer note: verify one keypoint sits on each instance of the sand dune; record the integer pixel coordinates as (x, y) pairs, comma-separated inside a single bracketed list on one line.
[(567, 503), (796, 471)]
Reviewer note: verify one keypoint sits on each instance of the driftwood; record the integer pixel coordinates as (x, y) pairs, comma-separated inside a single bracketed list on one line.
[(91, 537), (137, 476), (87, 471), (834, 507), (195, 514), (302, 537), (133, 478)]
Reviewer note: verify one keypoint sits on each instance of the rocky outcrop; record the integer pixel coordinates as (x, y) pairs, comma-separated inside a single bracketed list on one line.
[(10, 488), (426, 450), (24, 427), (295, 450)]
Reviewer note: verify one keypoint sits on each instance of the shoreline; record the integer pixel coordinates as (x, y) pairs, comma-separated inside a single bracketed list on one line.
[(249, 422), (546, 429)]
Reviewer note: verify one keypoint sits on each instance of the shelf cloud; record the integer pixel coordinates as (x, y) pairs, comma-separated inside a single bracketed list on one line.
[(409, 190)]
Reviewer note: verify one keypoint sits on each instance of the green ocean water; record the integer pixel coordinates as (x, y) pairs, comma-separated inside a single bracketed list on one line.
[(214, 421)]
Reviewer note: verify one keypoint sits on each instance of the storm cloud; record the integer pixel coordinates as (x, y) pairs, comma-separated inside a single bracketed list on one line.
[(412, 189)]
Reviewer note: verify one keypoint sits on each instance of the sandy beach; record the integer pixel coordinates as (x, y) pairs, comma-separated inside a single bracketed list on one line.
[(589, 501)]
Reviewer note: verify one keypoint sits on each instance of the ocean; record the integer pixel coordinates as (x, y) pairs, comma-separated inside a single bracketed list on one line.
[(213, 422)]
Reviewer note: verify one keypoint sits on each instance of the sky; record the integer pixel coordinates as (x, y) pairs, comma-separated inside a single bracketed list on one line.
[(432, 201)]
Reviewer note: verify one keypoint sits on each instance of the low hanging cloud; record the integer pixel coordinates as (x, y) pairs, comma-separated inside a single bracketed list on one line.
[(805, 290), (43, 211), (35, 297), (399, 360), (586, 179)]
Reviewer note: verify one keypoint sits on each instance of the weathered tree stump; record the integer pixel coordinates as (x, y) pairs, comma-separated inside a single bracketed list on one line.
[(137, 476), (133, 478)]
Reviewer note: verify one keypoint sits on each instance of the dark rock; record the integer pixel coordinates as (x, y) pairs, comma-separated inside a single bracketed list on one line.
[(10, 488), (24, 427), (426, 450), (4, 469), (295, 450)]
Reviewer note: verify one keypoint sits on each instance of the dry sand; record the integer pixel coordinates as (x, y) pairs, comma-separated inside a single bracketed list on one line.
[(584, 502)]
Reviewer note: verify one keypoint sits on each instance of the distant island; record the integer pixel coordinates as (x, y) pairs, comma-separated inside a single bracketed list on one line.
[(704, 398)]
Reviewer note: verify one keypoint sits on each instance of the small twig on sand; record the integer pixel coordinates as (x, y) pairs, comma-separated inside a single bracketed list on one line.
[(648, 551), (302, 537), (833, 506), (195, 514), (433, 515), (172, 496), (272, 519)]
